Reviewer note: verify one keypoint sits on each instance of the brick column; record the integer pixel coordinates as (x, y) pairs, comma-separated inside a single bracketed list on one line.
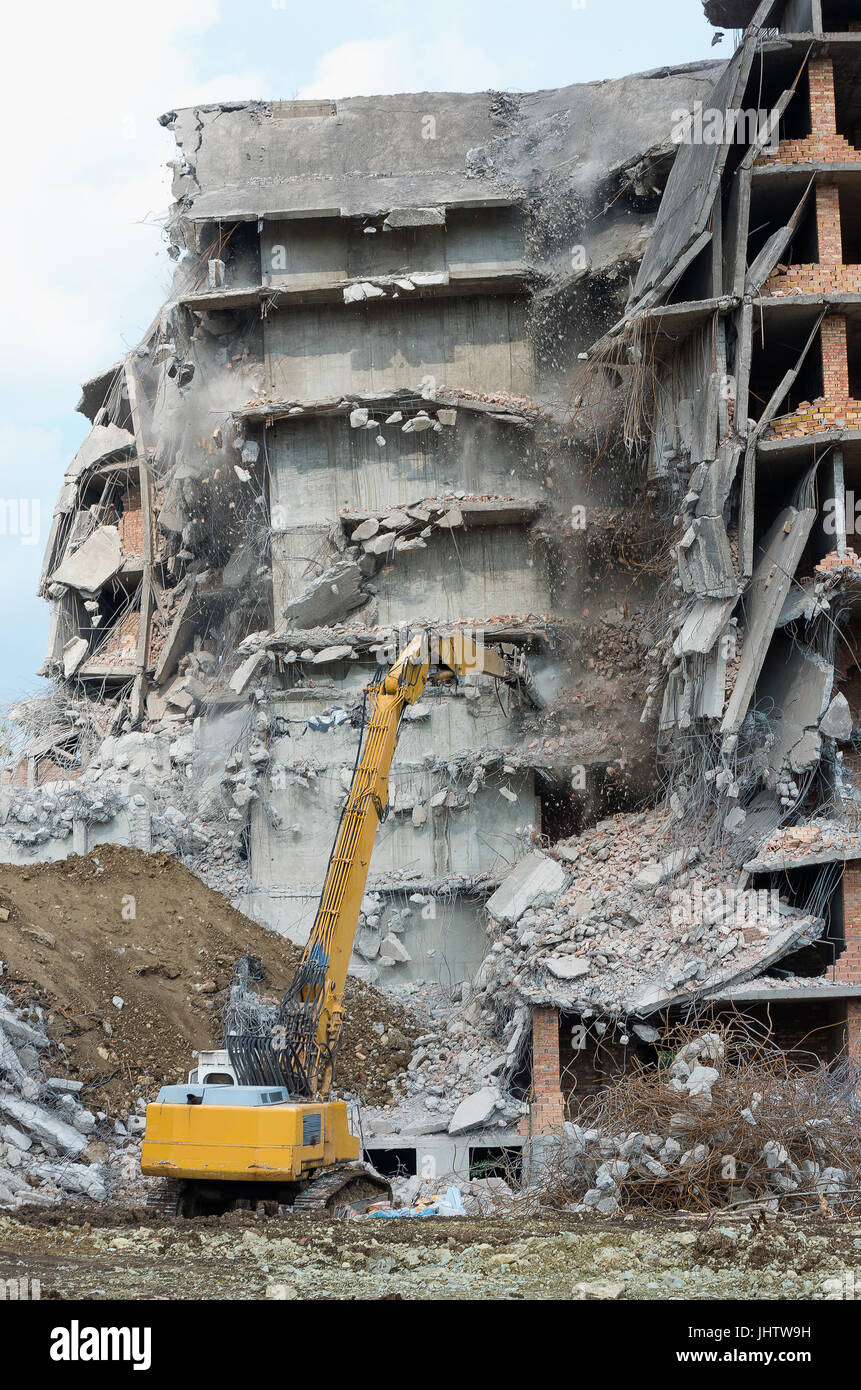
[(823, 106), (828, 224), (848, 965), (131, 522), (548, 1105), (835, 358)]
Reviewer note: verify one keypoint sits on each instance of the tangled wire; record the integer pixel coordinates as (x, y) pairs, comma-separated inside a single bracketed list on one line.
[(726, 1119)]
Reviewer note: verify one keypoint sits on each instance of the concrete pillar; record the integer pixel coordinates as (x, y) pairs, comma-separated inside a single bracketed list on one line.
[(79, 837)]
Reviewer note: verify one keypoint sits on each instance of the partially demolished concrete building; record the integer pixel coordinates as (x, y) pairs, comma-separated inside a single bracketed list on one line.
[(350, 419), (553, 369), (739, 348)]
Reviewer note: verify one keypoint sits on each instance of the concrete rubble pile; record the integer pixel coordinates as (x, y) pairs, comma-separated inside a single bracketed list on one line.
[(455, 1082), (611, 927), (480, 1197), (53, 1148), (622, 922)]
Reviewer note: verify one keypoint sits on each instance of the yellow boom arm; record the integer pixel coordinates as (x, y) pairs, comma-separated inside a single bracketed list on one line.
[(319, 986)]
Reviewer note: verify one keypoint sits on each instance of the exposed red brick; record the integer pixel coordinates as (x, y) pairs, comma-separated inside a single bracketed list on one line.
[(823, 144), (548, 1104)]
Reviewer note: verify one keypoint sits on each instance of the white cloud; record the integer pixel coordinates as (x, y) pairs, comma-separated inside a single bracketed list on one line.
[(88, 170), (403, 62)]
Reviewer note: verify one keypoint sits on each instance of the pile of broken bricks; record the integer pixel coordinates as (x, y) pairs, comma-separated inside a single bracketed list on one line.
[(816, 840)]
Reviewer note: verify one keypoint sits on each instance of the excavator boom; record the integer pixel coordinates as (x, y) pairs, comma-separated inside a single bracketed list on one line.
[(300, 1053), (274, 1133)]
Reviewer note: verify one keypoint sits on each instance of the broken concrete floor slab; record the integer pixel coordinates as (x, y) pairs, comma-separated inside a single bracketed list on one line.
[(534, 882), (96, 561)]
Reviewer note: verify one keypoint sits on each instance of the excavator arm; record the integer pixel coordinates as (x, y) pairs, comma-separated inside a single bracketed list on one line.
[(301, 1051)]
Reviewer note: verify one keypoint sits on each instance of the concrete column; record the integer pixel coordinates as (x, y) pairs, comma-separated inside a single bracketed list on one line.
[(79, 837)]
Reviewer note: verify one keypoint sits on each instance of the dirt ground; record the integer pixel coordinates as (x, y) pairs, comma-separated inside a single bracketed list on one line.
[(92, 1254), (142, 928)]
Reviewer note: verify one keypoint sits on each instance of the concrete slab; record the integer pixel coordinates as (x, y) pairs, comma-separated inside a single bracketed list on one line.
[(535, 881), (93, 563)]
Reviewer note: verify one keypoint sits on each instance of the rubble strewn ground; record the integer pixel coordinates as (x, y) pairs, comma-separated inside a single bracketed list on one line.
[(629, 918), (117, 1254)]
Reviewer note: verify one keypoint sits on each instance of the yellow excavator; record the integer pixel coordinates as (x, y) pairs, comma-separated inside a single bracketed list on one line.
[(270, 1133)]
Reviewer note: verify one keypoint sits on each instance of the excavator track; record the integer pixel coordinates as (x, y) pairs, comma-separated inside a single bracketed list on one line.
[(346, 1182), (164, 1195)]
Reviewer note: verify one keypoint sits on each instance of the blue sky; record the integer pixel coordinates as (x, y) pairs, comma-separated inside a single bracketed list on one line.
[(82, 247)]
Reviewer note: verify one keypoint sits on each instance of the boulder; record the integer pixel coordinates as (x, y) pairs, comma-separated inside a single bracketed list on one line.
[(836, 722), (567, 967)]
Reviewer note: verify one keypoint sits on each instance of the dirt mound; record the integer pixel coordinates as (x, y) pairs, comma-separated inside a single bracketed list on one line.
[(142, 929)]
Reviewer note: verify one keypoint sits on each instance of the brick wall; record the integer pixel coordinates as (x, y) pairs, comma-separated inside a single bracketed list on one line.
[(828, 230), (849, 561), (853, 1028), (823, 142), (131, 522), (814, 279), (548, 1106), (823, 103), (813, 416), (48, 771), (120, 649), (803, 1028), (835, 408), (835, 358), (15, 775), (848, 965), (829, 273)]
